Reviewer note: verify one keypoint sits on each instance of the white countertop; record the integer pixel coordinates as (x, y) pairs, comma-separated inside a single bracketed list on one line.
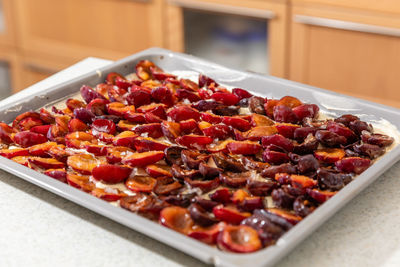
[(38, 228)]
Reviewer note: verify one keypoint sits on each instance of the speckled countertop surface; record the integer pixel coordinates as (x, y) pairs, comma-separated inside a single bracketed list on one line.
[(38, 228)]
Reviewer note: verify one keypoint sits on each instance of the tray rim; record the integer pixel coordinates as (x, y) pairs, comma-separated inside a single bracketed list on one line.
[(190, 246)]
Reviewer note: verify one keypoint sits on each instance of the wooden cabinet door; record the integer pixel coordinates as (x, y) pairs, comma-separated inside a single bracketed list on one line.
[(6, 23), (76, 29), (347, 52), (275, 11)]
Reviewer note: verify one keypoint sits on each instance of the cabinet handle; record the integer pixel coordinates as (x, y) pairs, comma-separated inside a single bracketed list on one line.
[(221, 8), (346, 25), (40, 68)]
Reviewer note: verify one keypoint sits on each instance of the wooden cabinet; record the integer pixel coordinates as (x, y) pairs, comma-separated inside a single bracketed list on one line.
[(346, 50), (75, 29), (275, 12), (7, 27)]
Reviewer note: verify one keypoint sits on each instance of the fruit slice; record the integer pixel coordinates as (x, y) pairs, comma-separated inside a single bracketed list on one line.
[(166, 186), (194, 141), (27, 139), (140, 183), (236, 122), (144, 204), (157, 171), (81, 182), (111, 174), (125, 139), (320, 195), (83, 163), (353, 164), (119, 109), (5, 133), (282, 214), (58, 174), (143, 159), (256, 133), (244, 147), (152, 130), (11, 153), (176, 218), (143, 144), (207, 235), (330, 155), (108, 194), (229, 214), (240, 239), (79, 140), (41, 150), (46, 163)]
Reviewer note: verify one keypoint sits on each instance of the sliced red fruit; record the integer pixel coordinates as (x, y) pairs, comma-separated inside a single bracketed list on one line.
[(151, 130), (97, 150), (27, 139), (83, 163), (111, 174), (189, 85), (207, 235), (58, 152), (194, 141), (289, 101), (171, 129), (74, 103), (250, 204), (41, 150), (80, 181), (329, 155), (278, 140), (58, 174), (46, 116), (187, 94), (189, 127), (236, 122), (275, 157), (125, 139), (125, 125), (260, 120), (234, 179), (306, 111), (353, 164), (116, 153), (143, 159), (182, 113), (320, 195), (103, 125), (19, 118), (40, 129), (46, 163), (203, 185), (301, 181), (75, 125), (210, 118), (136, 118), (166, 186), (143, 144), (79, 140), (138, 96), (140, 183), (176, 218), (239, 195), (222, 195), (240, 239), (23, 160), (228, 99), (241, 93), (163, 95), (157, 171), (143, 69), (287, 216), (229, 214), (108, 194), (256, 133), (219, 131), (119, 109), (220, 146), (286, 129), (88, 94), (144, 204)]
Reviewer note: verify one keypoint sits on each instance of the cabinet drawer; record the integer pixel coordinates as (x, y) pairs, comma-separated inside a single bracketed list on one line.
[(359, 59), (6, 23), (77, 29)]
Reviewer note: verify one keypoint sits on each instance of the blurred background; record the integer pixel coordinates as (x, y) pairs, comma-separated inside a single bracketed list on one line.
[(351, 47)]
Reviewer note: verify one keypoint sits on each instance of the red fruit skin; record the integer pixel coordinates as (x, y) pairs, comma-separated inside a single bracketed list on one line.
[(105, 126), (189, 126), (306, 111), (5, 133), (76, 125), (251, 242), (353, 164), (27, 139), (211, 118), (221, 195), (241, 93), (319, 195), (58, 174), (146, 144), (182, 113), (40, 129), (278, 140), (97, 150), (10, 153), (340, 129), (98, 106), (228, 99), (193, 141), (163, 95), (153, 130), (243, 147), (111, 174), (238, 123), (229, 215), (135, 117), (88, 94), (209, 235), (143, 159), (138, 96), (287, 130), (275, 157), (220, 131), (187, 94)]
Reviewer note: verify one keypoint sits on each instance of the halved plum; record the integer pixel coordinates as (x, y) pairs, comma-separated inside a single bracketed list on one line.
[(139, 183), (111, 174), (356, 165), (46, 163), (27, 139), (240, 239), (244, 147), (176, 218), (330, 155), (81, 182), (143, 158), (230, 214), (108, 194)]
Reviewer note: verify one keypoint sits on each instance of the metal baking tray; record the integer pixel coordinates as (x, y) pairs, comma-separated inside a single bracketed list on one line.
[(260, 84)]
